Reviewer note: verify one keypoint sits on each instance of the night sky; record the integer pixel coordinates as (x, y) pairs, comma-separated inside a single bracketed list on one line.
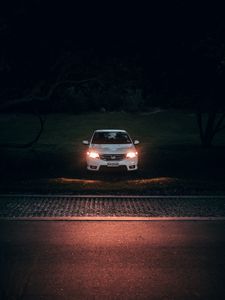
[(159, 38), (33, 27)]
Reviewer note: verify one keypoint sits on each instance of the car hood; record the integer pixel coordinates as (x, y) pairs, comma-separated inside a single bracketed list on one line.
[(112, 148)]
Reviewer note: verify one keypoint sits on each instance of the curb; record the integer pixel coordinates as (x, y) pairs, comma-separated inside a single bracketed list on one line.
[(102, 218)]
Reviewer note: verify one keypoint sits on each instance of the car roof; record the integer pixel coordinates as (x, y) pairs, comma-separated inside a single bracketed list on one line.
[(110, 130)]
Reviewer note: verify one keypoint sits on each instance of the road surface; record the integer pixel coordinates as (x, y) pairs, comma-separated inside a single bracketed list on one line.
[(112, 260)]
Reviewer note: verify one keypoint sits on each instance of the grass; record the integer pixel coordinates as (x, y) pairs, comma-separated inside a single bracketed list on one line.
[(171, 159)]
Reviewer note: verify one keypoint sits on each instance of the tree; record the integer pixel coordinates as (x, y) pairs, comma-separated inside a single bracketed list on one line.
[(209, 86)]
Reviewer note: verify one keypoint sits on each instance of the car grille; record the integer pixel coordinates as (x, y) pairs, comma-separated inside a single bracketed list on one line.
[(111, 157)]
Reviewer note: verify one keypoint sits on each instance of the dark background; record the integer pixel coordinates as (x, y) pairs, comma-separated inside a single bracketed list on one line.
[(169, 50), (81, 57)]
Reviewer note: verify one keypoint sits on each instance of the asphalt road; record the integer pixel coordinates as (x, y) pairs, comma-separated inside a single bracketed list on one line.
[(112, 260)]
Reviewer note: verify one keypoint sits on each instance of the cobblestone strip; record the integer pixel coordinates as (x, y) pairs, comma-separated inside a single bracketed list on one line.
[(16, 206)]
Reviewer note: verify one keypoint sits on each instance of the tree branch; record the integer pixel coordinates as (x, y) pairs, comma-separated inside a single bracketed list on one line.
[(57, 84), (23, 100), (33, 141), (32, 97)]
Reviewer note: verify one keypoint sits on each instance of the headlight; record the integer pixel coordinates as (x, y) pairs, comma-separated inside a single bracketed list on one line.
[(93, 154), (131, 154)]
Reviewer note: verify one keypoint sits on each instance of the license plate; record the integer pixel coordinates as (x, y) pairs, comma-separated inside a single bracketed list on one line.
[(112, 164)]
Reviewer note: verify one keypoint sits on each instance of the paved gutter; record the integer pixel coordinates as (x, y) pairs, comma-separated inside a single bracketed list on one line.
[(111, 219), (111, 207)]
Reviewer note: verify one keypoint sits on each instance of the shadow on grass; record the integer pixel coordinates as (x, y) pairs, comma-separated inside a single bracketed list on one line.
[(159, 168)]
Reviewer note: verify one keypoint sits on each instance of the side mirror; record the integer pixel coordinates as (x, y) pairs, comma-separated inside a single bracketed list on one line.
[(85, 142), (136, 142)]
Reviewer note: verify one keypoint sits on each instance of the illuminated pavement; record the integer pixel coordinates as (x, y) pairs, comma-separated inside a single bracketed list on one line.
[(112, 260)]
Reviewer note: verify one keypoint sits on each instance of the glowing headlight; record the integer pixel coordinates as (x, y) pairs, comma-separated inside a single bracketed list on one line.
[(93, 154), (131, 154)]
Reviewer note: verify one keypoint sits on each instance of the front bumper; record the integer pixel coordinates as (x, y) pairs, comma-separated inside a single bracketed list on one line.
[(94, 164)]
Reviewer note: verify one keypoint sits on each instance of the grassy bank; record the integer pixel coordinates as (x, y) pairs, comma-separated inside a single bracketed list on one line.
[(171, 159)]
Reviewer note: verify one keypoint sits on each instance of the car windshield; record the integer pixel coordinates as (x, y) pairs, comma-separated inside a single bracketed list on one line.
[(112, 137)]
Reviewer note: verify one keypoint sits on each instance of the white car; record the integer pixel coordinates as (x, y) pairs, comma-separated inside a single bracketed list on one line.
[(111, 148)]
